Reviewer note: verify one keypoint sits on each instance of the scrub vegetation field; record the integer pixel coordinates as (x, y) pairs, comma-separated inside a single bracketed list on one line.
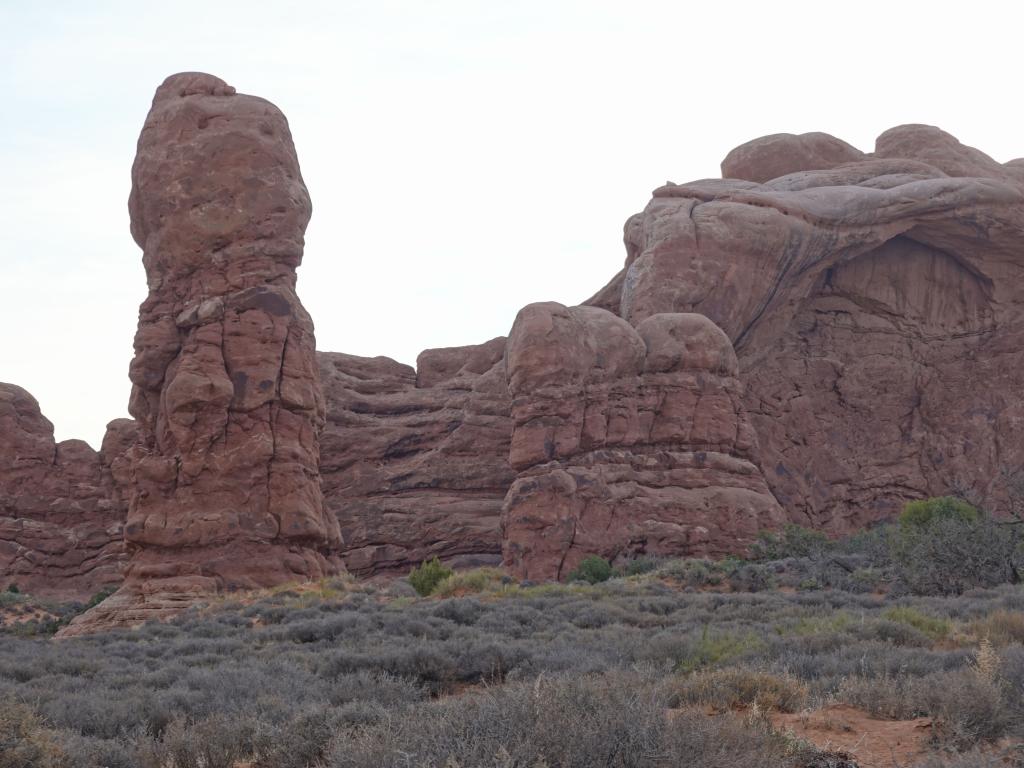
[(732, 663)]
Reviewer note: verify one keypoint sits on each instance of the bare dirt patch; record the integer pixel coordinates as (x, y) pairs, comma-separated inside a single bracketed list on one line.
[(873, 743)]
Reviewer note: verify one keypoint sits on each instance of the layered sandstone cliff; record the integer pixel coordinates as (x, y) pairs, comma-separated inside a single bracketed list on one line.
[(627, 441), (876, 307), (819, 337), (415, 463), (61, 514)]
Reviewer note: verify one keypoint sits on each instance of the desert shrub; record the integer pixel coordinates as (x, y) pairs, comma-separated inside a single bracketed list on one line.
[(973, 759), (215, 742), (592, 569), (100, 717), (640, 565), (893, 697), (872, 544), (949, 552), (968, 705), (99, 597), (463, 611), (428, 575), (369, 658), (1011, 671), (24, 741), (9, 599), (792, 541), (377, 687), (88, 752), (934, 627), (692, 573), (13, 588), (1001, 627), (751, 577), (301, 742), (924, 512), (476, 580), (613, 721), (715, 648), (740, 687), (804, 626), (892, 632)]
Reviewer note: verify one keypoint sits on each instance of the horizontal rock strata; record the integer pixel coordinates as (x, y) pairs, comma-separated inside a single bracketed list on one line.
[(415, 464), (61, 515), (626, 441)]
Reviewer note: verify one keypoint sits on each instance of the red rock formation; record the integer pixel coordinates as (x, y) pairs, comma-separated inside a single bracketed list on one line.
[(770, 157), (60, 519), (876, 309), (626, 441), (875, 303), (225, 490), (415, 464)]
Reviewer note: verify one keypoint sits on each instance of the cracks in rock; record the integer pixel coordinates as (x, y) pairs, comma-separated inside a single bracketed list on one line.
[(569, 546)]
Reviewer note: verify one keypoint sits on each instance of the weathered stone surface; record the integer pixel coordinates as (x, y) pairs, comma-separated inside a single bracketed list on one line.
[(626, 441), (415, 463), (876, 310), (61, 521), (224, 484), (770, 157)]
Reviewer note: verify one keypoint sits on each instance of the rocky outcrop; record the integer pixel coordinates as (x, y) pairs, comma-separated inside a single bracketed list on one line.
[(770, 157), (224, 484), (876, 310), (819, 336), (61, 518), (626, 441), (415, 462)]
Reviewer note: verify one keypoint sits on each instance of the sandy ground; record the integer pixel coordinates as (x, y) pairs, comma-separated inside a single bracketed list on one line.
[(872, 743)]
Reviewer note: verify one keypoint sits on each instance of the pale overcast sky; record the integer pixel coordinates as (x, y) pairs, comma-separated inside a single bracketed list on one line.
[(464, 158)]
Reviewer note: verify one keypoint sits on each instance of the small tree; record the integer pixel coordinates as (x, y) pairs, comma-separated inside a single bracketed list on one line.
[(793, 541), (426, 578), (592, 569), (945, 546), (925, 511)]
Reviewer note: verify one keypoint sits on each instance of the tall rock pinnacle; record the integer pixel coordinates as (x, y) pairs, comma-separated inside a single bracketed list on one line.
[(226, 488)]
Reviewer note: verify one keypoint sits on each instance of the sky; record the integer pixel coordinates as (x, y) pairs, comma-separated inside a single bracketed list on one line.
[(464, 158)]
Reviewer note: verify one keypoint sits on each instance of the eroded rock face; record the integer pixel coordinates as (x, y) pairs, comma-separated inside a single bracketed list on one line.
[(415, 462), (224, 485), (626, 441), (876, 310), (61, 519)]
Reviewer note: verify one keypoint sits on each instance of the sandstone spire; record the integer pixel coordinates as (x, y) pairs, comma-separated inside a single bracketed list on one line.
[(225, 488)]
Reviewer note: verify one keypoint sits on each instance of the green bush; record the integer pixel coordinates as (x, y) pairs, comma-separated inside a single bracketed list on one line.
[(919, 514), (13, 588), (473, 581), (714, 649), (641, 565), (793, 541), (934, 627), (592, 569), (426, 578), (100, 596), (946, 546)]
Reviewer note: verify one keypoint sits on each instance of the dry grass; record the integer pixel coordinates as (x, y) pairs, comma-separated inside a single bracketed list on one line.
[(737, 688), (1000, 627)]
